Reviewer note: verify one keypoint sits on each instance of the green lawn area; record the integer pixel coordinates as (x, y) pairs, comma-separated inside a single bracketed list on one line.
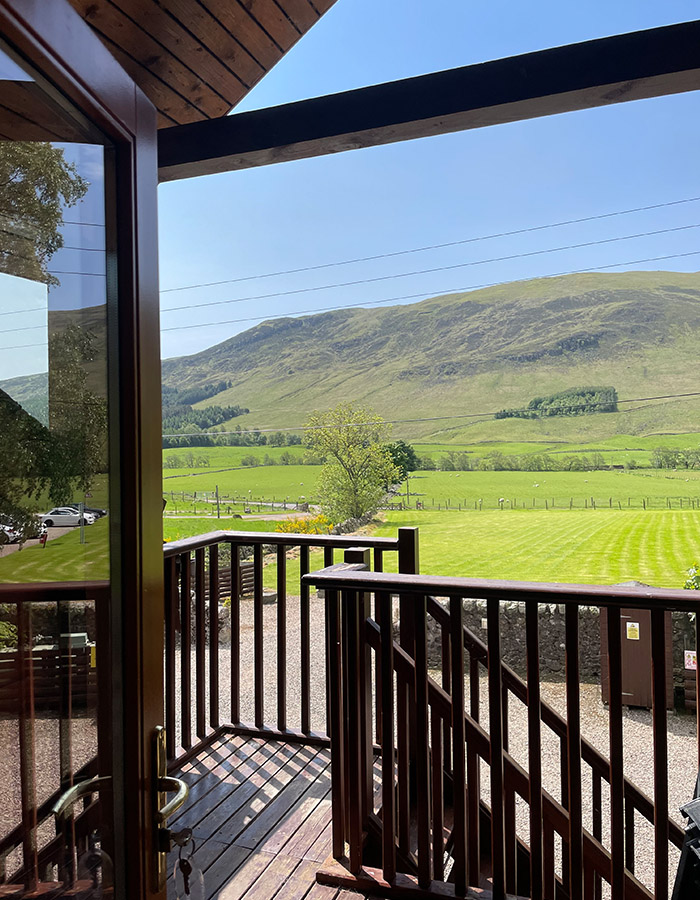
[(580, 546), (518, 488), (291, 483), (178, 529), (62, 559)]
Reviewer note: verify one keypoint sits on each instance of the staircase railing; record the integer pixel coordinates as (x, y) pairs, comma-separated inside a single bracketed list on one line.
[(459, 807)]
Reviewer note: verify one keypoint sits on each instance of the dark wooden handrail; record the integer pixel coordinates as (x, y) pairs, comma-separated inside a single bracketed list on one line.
[(55, 591), (340, 541), (515, 591)]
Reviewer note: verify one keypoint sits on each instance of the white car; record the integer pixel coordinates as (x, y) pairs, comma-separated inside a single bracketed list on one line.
[(64, 515)]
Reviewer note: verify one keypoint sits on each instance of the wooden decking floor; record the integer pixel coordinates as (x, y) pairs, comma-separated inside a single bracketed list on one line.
[(260, 813)]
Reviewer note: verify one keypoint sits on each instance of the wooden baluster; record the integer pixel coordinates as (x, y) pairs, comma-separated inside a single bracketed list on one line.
[(258, 637), (617, 783), (336, 723), (564, 780), (473, 779), (573, 752), (508, 808), (496, 735), (534, 745), (27, 745), (200, 643), (378, 560), (355, 796), (629, 835), (235, 635), (305, 638), (548, 861), (214, 720), (446, 674), (658, 658), (185, 652), (282, 637), (461, 785), (437, 795), (386, 661), (171, 619), (422, 740), (597, 817), (328, 561), (403, 764), (474, 688)]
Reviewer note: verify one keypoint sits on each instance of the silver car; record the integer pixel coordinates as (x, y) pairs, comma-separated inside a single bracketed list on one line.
[(64, 515)]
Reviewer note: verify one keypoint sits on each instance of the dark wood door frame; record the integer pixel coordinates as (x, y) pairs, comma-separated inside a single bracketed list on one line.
[(57, 43)]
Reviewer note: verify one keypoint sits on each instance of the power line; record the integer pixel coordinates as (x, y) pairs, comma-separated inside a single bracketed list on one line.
[(485, 237), (477, 262), (461, 290), (482, 415), (472, 287)]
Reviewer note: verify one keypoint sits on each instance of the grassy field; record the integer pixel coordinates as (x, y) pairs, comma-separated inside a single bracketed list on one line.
[(62, 559), (583, 546), (294, 483)]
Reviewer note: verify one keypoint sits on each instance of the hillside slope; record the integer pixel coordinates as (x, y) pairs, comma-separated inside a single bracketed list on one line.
[(463, 353)]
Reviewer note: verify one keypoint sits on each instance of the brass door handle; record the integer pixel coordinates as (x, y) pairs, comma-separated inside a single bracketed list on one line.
[(64, 805), (169, 783)]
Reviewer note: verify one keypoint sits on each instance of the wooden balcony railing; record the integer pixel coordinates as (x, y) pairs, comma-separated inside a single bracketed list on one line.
[(202, 572), (436, 826), (60, 683)]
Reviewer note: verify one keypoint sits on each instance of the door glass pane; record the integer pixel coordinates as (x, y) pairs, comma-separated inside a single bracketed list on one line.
[(54, 492)]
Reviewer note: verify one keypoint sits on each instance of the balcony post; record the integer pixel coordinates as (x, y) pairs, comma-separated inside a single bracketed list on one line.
[(361, 556)]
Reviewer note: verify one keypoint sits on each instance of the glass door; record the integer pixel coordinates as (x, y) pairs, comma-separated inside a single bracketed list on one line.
[(66, 705)]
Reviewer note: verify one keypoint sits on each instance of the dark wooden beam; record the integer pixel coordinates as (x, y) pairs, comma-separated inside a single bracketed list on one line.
[(625, 67)]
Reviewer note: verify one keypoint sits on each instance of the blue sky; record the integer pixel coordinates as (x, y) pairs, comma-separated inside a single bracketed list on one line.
[(433, 190), (391, 198)]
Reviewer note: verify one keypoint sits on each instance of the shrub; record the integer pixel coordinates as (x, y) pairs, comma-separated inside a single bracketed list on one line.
[(319, 524)]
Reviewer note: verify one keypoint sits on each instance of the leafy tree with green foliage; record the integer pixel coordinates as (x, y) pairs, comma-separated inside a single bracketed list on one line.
[(26, 452), (77, 413), (403, 456), (36, 184), (357, 465)]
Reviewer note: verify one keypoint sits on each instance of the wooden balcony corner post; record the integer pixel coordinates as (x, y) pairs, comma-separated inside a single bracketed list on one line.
[(362, 556)]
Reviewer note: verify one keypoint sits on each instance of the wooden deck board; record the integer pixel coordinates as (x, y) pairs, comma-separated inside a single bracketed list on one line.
[(261, 817)]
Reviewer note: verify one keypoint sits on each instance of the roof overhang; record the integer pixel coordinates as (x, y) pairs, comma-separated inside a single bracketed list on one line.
[(617, 69)]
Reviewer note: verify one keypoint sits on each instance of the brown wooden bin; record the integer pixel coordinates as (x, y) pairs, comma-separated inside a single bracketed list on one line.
[(636, 657)]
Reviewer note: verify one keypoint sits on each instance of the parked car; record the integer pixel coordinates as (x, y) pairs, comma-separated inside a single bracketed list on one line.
[(66, 515), (93, 510), (12, 532)]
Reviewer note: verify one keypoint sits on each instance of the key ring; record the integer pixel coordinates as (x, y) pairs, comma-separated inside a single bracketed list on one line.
[(183, 846)]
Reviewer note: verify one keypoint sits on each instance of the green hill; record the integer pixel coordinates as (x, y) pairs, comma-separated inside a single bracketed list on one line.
[(475, 352)]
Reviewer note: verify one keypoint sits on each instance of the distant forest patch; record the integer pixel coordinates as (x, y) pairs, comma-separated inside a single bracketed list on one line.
[(578, 401), (180, 418)]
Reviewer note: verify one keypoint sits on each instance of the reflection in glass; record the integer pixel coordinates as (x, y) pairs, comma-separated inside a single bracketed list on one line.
[(54, 522)]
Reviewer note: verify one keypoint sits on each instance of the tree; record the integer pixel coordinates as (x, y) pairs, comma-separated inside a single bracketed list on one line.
[(36, 184), (403, 456), (26, 450), (77, 414), (357, 466)]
